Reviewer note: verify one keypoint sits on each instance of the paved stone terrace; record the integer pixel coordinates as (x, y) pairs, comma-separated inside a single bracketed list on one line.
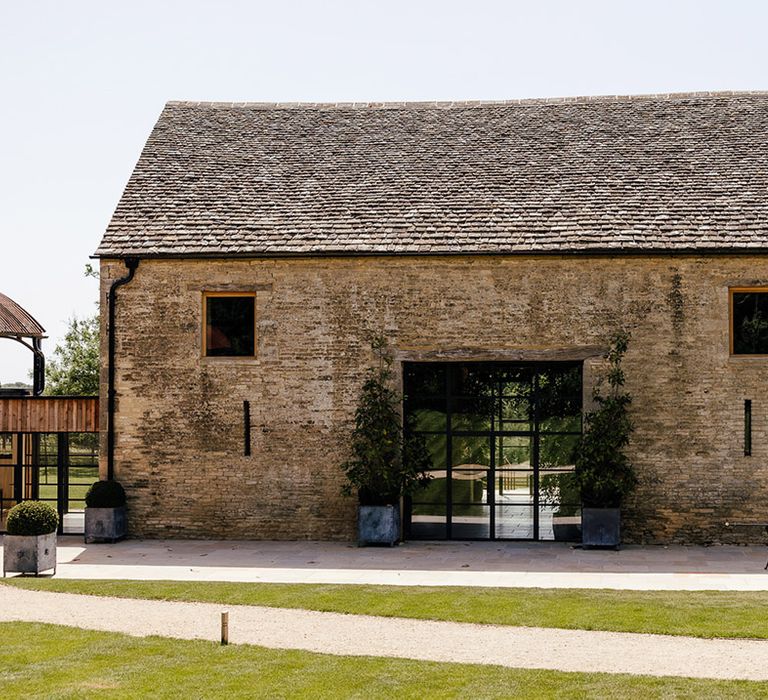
[(501, 564)]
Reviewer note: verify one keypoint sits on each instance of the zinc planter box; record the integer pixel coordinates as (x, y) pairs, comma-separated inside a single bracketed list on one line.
[(29, 554), (378, 525), (104, 524), (601, 527)]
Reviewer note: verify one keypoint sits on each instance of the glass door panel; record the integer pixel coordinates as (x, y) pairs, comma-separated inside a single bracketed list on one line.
[(560, 511), (471, 522), (513, 452), (428, 521), (514, 522), (470, 466), (469, 487), (558, 399), (428, 415), (44, 469), (471, 452), (82, 471), (514, 486), (8, 459)]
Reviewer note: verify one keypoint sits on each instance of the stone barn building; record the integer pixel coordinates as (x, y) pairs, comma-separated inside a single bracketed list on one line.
[(259, 247)]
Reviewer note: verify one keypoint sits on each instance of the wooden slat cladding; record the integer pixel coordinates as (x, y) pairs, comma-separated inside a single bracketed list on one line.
[(49, 414)]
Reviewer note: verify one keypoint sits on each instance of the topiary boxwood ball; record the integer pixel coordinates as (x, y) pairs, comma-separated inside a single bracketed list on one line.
[(32, 518), (105, 494)]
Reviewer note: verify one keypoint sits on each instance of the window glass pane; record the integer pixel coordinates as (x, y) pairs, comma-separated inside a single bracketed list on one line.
[(471, 452), (438, 449), (46, 471), (471, 414), (559, 490), (7, 461), (471, 522), (83, 467), (513, 452), (469, 485), (426, 414), (472, 379), (515, 409), (514, 522), (559, 399), (559, 523), (557, 451), (750, 323), (428, 522), (6, 447), (515, 381), (424, 379), (229, 326), (434, 491), (514, 486), (562, 424), (472, 527)]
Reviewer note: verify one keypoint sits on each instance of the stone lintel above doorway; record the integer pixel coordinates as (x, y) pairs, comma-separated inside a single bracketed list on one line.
[(574, 353)]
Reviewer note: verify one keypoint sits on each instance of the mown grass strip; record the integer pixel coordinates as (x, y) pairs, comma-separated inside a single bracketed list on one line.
[(689, 613), (48, 661)]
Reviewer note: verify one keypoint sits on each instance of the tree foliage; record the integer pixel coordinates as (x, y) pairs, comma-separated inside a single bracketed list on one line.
[(74, 368), (603, 473), (387, 462)]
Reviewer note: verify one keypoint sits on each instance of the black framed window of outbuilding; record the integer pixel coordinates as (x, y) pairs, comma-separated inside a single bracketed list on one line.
[(229, 324), (749, 321)]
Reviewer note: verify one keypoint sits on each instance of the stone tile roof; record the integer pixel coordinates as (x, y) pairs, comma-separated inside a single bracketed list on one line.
[(683, 172)]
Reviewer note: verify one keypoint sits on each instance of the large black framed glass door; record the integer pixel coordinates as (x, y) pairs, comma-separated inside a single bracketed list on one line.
[(501, 435), (54, 467)]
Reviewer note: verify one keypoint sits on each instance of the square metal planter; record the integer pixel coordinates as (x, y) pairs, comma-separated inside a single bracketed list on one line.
[(378, 525), (601, 527), (29, 554), (104, 524)]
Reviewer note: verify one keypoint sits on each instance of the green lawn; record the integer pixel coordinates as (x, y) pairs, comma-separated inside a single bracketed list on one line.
[(697, 614), (46, 661)]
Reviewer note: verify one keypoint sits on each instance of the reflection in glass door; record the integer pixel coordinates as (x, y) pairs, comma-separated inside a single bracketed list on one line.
[(502, 437)]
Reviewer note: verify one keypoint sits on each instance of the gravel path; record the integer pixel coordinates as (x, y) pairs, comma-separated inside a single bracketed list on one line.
[(356, 635)]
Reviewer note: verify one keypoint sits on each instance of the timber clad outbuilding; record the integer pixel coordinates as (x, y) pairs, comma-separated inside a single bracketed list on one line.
[(48, 444), (496, 247)]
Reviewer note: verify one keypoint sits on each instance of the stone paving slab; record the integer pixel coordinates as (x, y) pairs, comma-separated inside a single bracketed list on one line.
[(499, 564), (359, 635)]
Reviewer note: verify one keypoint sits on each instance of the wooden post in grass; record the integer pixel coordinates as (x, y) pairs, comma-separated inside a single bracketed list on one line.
[(225, 628)]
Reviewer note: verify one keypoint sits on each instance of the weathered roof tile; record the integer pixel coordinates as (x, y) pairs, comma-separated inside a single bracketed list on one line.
[(657, 173)]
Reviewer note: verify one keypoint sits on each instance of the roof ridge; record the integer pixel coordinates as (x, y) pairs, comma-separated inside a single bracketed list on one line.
[(448, 104)]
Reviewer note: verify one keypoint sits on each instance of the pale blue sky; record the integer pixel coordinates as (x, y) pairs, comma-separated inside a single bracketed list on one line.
[(81, 84)]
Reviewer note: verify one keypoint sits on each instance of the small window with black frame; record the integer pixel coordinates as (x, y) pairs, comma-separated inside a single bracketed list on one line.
[(749, 321), (230, 325)]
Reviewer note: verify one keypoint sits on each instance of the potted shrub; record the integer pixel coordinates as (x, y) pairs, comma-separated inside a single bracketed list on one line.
[(29, 547), (105, 512), (603, 474), (387, 462)]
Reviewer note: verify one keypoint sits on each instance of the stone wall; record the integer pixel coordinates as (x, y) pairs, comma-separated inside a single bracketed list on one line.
[(179, 422)]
